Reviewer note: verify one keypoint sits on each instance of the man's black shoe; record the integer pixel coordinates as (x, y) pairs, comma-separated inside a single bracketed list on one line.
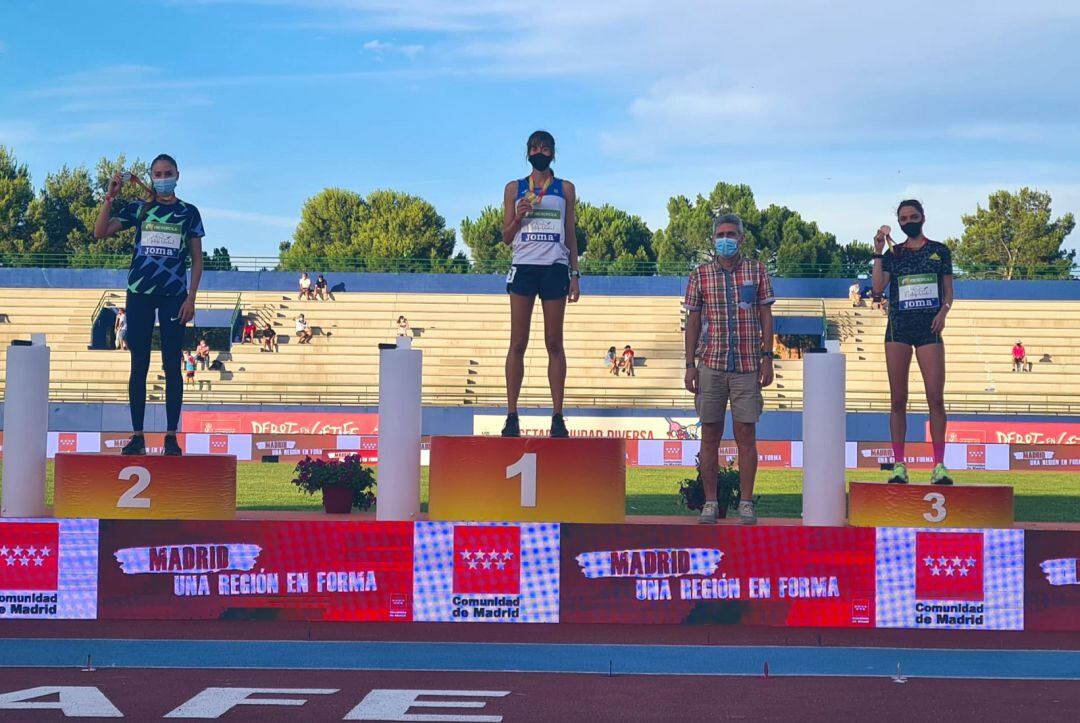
[(558, 426)]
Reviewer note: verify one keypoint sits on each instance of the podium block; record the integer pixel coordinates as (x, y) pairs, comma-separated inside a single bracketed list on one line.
[(528, 479), (878, 504), (193, 487)]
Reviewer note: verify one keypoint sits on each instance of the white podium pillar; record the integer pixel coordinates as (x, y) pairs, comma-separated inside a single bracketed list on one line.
[(398, 480), (824, 435), (26, 429)]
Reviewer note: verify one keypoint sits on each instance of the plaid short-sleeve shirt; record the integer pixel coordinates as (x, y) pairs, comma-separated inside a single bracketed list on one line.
[(730, 302)]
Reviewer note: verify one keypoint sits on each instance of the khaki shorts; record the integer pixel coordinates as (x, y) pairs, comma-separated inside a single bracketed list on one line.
[(715, 388)]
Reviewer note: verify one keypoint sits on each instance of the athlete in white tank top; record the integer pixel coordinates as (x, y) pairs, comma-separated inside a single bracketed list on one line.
[(541, 239), (538, 225)]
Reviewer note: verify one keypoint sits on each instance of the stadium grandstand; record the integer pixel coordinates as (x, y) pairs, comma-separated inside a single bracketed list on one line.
[(461, 323)]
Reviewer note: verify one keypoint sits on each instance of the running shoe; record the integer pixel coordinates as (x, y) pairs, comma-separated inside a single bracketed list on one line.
[(710, 512), (899, 474), (746, 513), (172, 447), (940, 475), (558, 426), (135, 446), (512, 428)]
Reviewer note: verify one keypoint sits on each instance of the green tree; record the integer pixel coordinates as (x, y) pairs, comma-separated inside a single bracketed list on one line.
[(401, 226), (63, 215), (806, 251), (115, 250), (220, 261), (329, 229), (855, 258), (16, 196), (687, 238), (1014, 237), (341, 230), (612, 241), (483, 238)]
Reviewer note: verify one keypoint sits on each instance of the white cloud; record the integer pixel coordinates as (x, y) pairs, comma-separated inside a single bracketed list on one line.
[(379, 47)]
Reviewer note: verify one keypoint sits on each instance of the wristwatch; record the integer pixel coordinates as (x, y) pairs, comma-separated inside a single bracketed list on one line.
[(575, 273), (691, 365), (877, 256)]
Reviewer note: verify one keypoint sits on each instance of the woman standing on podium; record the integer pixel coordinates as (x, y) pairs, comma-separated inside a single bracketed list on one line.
[(918, 275), (167, 232), (538, 224)]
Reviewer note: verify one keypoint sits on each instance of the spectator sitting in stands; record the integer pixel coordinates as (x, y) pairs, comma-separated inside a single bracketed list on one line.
[(202, 354), (305, 288), (303, 332), (855, 294), (322, 290), (1018, 354), (627, 362), (189, 367), (249, 331), (269, 337), (402, 326), (120, 328), (612, 361)]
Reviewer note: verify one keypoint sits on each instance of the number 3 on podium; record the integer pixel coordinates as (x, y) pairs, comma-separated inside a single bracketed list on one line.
[(937, 504), (526, 467), (130, 498)]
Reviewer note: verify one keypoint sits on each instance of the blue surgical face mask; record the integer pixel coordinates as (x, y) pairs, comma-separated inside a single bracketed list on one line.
[(165, 186), (727, 247)]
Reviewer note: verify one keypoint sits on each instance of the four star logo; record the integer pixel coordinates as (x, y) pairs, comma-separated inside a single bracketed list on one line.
[(487, 560), (28, 552), (949, 566)]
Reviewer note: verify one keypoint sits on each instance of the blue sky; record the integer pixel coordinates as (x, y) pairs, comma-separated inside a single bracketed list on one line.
[(837, 109)]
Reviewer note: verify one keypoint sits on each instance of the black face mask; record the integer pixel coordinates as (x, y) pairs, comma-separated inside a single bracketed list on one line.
[(540, 161), (912, 230)]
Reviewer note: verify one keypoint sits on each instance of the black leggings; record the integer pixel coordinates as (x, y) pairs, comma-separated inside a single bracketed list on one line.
[(141, 310)]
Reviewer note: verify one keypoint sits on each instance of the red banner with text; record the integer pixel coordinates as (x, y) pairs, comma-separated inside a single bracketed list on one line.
[(821, 577), (280, 422), (188, 570), (1010, 432)]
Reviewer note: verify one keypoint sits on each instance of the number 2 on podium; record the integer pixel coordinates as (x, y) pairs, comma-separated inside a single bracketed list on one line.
[(131, 498), (526, 467)]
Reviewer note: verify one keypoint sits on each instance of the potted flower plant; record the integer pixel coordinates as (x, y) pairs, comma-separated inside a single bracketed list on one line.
[(345, 482), (692, 491)]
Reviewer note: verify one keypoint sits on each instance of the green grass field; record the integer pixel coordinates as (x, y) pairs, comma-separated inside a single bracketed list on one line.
[(1040, 496)]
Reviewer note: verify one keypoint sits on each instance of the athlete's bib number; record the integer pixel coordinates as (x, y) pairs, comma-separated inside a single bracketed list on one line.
[(543, 225), (919, 292), (161, 239)]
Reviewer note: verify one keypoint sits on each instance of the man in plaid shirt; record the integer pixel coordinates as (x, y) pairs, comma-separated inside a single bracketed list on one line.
[(736, 297)]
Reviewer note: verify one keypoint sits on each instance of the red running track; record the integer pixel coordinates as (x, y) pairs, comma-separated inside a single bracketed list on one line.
[(145, 695)]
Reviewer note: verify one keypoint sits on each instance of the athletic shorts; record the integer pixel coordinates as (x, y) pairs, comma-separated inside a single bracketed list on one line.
[(549, 282), (716, 388), (911, 330)]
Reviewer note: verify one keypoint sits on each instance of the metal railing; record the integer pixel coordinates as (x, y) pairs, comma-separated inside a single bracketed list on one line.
[(494, 396), (681, 267)]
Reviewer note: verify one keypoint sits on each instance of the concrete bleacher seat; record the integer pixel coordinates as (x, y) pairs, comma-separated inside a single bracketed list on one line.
[(464, 338)]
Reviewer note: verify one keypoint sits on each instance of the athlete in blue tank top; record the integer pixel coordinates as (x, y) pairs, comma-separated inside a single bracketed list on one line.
[(538, 225)]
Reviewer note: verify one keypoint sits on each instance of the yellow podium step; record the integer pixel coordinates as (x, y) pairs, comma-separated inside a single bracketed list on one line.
[(527, 479), (192, 487), (879, 504)]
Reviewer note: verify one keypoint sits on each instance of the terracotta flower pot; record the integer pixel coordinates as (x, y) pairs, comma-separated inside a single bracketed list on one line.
[(337, 500)]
